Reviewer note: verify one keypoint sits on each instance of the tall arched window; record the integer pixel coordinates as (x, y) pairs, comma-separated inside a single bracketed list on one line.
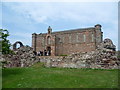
[(77, 39), (92, 37), (63, 39), (69, 38), (49, 40), (84, 38)]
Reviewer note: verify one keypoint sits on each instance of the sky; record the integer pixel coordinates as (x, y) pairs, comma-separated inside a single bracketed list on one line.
[(22, 19)]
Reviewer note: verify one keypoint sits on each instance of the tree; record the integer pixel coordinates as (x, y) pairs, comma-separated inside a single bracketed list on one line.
[(4, 42)]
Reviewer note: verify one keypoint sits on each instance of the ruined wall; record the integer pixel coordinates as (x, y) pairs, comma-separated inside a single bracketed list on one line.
[(40, 44), (98, 34), (104, 57), (94, 59), (22, 57), (70, 41), (34, 40)]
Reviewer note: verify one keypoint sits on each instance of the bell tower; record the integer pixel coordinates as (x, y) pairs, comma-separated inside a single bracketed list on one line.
[(49, 30), (50, 42)]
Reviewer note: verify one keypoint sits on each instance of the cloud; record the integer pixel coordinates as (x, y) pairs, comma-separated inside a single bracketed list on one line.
[(31, 11), (78, 12), (21, 36), (73, 14)]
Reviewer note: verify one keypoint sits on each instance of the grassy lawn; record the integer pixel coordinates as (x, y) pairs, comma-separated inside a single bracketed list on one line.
[(38, 76)]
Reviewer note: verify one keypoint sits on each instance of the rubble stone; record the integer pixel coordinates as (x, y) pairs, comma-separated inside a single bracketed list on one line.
[(23, 57), (104, 57)]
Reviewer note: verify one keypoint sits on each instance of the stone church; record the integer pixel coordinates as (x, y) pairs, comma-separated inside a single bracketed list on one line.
[(68, 41)]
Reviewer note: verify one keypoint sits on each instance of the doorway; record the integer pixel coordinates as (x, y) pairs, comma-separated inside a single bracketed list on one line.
[(49, 50)]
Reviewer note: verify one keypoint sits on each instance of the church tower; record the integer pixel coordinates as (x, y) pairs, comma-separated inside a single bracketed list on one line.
[(49, 30)]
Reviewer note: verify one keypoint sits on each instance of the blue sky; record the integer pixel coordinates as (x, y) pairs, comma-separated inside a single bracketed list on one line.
[(22, 19)]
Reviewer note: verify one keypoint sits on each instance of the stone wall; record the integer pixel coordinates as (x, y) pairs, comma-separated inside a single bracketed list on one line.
[(77, 40), (104, 57), (94, 59), (22, 57)]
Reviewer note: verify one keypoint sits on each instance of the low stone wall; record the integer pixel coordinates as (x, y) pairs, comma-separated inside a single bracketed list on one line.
[(104, 57), (95, 59)]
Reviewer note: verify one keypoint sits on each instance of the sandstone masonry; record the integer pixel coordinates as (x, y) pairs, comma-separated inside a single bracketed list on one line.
[(104, 57), (68, 41), (84, 48)]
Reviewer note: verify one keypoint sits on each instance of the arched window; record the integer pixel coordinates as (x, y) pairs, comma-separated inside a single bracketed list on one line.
[(77, 39), (69, 38), (49, 40), (63, 39), (42, 43), (84, 38), (92, 37)]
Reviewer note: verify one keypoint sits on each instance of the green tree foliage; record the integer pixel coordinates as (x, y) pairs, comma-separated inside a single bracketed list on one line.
[(4, 42)]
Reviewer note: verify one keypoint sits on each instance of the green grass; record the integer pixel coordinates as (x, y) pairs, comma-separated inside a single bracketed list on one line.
[(63, 55), (38, 76)]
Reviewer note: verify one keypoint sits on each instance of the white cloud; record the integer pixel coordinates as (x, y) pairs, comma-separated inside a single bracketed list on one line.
[(19, 36), (80, 13)]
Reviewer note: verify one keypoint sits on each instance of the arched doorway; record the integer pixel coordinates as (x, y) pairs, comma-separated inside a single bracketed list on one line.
[(49, 50), (15, 44)]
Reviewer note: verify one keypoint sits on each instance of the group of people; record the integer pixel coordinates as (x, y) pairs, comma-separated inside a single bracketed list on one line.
[(42, 53)]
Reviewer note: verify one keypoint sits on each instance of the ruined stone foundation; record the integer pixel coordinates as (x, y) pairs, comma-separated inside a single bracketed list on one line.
[(104, 57), (94, 59)]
